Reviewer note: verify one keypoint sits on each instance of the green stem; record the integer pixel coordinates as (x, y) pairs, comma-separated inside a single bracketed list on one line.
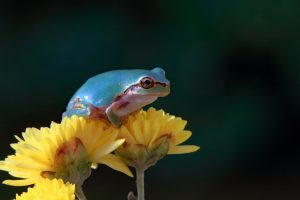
[(140, 183), (78, 180), (79, 193)]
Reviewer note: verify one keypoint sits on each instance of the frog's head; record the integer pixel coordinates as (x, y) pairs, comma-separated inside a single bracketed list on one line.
[(141, 87), (152, 83)]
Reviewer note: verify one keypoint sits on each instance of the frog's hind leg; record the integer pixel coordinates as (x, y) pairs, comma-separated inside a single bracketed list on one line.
[(78, 108), (96, 112), (84, 109)]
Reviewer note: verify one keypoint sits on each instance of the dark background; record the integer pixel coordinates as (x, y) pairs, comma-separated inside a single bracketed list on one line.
[(234, 69)]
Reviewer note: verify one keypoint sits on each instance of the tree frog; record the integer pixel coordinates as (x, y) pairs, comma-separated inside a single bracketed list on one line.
[(113, 95)]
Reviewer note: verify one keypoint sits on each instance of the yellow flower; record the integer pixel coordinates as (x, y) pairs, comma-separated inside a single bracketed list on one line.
[(152, 134), (66, 150), (46, 189)]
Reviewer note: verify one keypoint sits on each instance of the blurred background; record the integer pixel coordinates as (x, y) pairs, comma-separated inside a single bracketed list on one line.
[(234, 69)]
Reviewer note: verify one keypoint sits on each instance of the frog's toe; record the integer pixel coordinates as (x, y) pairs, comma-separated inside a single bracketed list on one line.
[(114, 119)]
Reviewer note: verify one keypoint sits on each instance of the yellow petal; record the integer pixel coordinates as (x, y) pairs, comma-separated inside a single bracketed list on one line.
[(94, 165), (112, 146), (115, 163), (154, 134), (183, 149), (22, 182), (3, 166), (137, 133), (182, 137), (146, 132), (126, 134)]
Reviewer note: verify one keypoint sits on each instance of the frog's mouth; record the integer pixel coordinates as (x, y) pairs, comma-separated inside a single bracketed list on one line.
[(162, 84), (164, 90)]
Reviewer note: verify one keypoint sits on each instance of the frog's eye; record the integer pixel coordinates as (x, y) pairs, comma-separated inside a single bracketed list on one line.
[(147, 82)]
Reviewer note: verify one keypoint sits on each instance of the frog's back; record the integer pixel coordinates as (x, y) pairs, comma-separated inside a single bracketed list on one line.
[(102, 89)]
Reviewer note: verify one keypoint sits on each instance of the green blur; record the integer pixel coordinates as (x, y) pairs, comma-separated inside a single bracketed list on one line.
[(234, 72)]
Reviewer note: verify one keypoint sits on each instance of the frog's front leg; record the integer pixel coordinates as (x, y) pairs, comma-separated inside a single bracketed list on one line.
[(113, 117), (115, 112)]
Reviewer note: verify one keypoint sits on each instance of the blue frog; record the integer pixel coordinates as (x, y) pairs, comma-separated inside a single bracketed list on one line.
[(113, 95)]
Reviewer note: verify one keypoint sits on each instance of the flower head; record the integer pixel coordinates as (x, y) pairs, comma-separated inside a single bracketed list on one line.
[(66, 150), (152, 134), (46, 189)]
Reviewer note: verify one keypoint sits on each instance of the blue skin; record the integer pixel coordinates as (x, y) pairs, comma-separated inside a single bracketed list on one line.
[(115, 94)]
